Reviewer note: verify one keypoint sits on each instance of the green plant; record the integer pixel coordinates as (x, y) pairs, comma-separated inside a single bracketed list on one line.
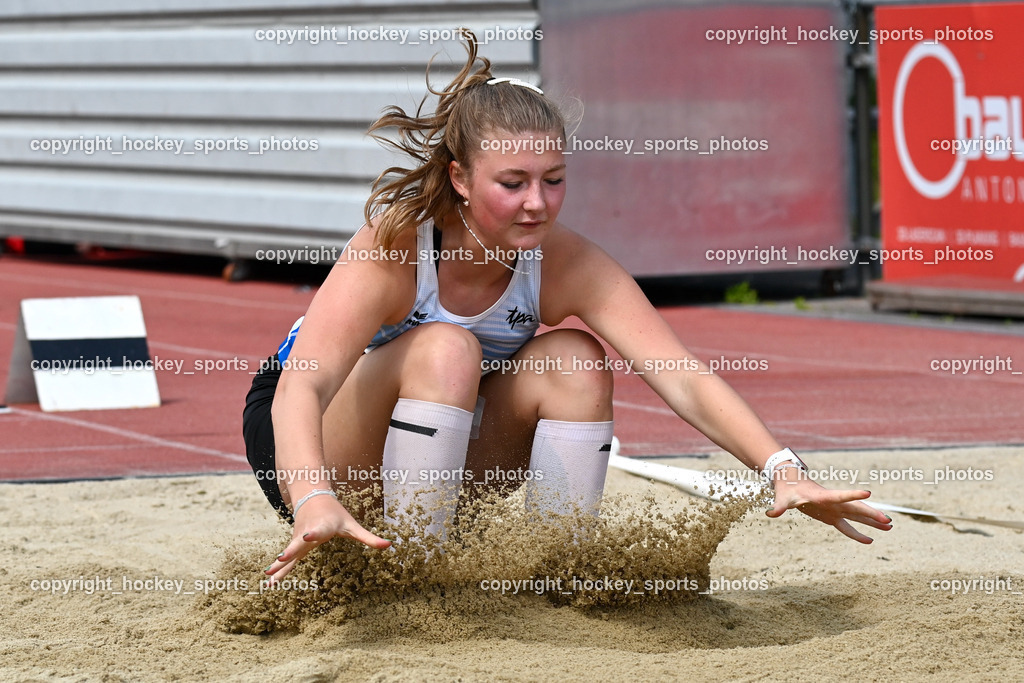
[(741, 293)]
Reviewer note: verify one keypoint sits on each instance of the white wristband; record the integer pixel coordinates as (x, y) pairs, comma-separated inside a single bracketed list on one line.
[(314, 492), (785, 455)]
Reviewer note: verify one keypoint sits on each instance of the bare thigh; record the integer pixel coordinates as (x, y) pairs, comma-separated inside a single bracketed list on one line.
[(436, 362), (441, 363), (515, 401)]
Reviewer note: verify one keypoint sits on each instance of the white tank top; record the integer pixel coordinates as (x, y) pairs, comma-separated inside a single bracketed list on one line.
[(501, 329)]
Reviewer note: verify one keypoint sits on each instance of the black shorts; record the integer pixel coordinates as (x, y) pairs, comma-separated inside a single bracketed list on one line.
[(258, 433)]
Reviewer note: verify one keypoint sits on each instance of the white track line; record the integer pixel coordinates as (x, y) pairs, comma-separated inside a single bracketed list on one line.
[(124, 433), (789, 427), (166, 294), (175, 347), (64, 449), (854, 365), (664, 410), (658, 410), (204, 352)]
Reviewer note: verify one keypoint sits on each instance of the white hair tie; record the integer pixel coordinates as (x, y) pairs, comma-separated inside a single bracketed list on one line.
[(516, 81)]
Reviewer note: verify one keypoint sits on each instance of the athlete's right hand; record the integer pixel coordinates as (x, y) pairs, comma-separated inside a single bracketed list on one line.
[(320, 519)]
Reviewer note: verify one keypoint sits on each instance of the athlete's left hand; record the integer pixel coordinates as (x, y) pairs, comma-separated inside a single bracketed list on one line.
[(833, 507)]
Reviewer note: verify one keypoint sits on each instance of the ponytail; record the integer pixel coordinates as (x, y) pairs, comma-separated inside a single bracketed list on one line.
[(468, 110)]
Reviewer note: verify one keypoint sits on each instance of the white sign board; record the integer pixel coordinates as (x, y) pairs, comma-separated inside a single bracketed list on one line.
[(82, 353)]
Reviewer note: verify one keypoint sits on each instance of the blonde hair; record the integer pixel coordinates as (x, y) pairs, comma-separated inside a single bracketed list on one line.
[(467, 111)]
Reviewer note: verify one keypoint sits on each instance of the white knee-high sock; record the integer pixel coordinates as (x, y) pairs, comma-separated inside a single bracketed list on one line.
[(425, 437), (569, 461)]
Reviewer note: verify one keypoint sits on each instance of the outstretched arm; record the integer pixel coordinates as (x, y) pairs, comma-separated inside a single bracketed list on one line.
[(355, 299), (591, 285)]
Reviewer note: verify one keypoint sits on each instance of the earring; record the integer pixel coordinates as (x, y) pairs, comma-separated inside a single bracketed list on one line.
[(465, 203)]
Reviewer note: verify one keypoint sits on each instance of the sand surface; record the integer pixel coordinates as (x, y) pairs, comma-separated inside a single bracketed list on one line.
[(804, 602)]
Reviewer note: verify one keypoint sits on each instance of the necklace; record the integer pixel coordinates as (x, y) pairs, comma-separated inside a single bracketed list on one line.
[(490, 254)]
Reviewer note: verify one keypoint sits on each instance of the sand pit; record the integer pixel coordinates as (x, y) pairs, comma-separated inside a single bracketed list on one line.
[(91, 588)]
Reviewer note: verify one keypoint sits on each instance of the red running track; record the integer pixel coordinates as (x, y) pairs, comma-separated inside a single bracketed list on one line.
[(830, 384)]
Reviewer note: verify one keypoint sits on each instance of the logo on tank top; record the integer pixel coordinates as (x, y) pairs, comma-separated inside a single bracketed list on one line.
[(416, 319), (515, 317)]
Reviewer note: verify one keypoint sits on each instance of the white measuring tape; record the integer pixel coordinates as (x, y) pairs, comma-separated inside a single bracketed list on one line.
[(697, 483)]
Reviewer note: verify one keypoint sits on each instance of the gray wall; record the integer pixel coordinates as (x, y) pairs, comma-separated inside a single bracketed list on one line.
[(650, 75), (193, 70)]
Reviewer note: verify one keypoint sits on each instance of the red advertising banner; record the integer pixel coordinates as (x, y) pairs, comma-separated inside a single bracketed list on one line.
[(951, 140)]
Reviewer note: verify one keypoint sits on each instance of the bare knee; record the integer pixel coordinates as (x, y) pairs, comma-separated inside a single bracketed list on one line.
[(584, 391), (442, 366)]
